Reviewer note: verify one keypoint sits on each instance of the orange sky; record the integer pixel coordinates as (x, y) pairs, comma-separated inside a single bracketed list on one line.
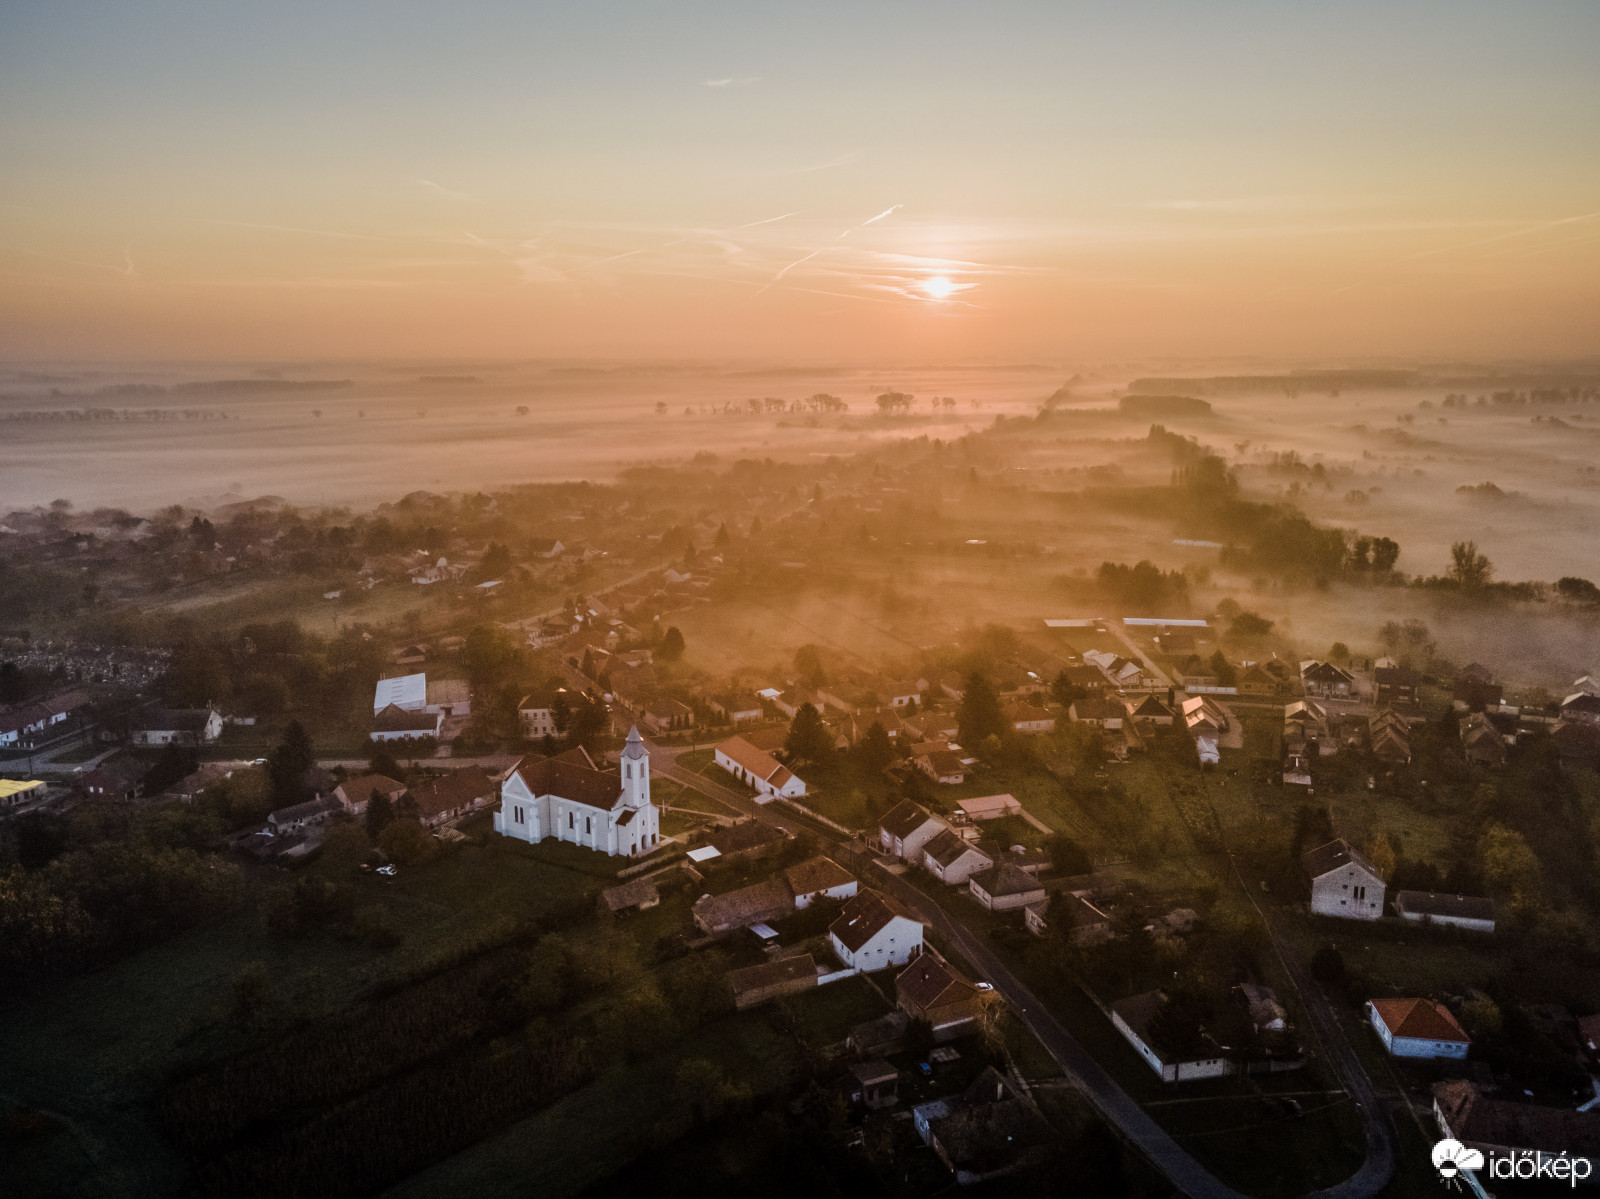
[(803, 182)]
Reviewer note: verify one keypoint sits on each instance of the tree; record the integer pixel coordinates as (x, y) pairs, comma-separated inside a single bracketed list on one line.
[(1579, 591), (561, 711), (1249, 624), (379, 814), (345, 846), (1064, 691), (250, 994), (407, 842), (808, 661), (41, 837), (1470, 569), (809, 739), (1327, 965), (491, 656), (1067, 856), (723, 538), (407, 808), (672, 646), (1339, 653), (1227, 676), (1509, 866), (875, 749), (383, 761), (1385, 553), (288, 764), (1380, 852), (496, 561), (589, 725), (979, 714)]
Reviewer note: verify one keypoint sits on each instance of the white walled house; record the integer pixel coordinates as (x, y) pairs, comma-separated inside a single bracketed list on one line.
[(756, 767), (1132, 1018), (1418, 1028), (394, 723), (871, 935), (1343, 883), (906, 828), (952, 860), (182, 726), (568, 798), (1456, 911), (819, 878)]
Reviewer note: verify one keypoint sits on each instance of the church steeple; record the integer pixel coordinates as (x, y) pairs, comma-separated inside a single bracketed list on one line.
[(635, 768)]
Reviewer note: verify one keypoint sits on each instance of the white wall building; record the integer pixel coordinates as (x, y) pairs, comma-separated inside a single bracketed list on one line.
[(756, 767), (409, 693), (1418, 1028), (566, 797), (871, 935), (1343, 883)]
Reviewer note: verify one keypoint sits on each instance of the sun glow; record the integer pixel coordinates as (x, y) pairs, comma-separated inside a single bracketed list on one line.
[(938, 288)]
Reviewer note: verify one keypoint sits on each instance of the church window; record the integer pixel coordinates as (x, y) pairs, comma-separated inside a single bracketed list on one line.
[(571, 820), (588, 825)]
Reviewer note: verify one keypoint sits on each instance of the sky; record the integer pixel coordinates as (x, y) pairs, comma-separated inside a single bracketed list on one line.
[(799, 182)]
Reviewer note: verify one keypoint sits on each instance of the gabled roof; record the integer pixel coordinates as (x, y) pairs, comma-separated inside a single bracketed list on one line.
[(176, 720), (1148, 708), (455, 790), (757, 761), (817, 874), (748, 834), (904, 819), (1420, 1019), (863, 918), (567, 778), (768, 974), (360, 788), (766, 900), (1006, 879), (944, 762), (1325, 859), (929, 983), (948, 848), (395, 719)]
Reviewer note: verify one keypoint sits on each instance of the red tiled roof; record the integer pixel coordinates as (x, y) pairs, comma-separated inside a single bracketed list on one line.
[(1419, 1019)]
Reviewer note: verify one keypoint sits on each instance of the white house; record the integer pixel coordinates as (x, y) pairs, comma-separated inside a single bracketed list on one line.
[(394, 723), (1457, 911), (1005, 887), (568, 798), (1418, 1028), (409, 693), (819, 878), (537, 715), (871, 935), (952, 860), (182, 726), (1343, 883), (1132, 1018), (770, 777), (906, 828)]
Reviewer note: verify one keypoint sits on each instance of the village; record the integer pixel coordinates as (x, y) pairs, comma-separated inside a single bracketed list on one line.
[(973, 891)]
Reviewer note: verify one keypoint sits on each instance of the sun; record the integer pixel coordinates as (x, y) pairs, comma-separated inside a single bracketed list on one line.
[(938, 287)]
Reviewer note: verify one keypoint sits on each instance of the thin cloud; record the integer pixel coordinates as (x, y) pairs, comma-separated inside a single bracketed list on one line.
[(731, 81), (338, 233), (440, 189)]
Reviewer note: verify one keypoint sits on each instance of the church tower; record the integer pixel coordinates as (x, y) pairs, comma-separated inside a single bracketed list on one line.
[(635, 771)]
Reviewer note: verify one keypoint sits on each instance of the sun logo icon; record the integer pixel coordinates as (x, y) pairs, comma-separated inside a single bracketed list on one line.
[(1451, 1158)]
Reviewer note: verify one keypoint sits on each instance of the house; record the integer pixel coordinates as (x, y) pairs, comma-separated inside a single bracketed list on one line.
[(301, 816), (1088, 679), (930, 989), (755, 985), (545, 547), (792, 699), (1195, 672), (885, 1034), (448, 697), (16, 792), (1481, 741), (1148, 709), (178, 726), (737, 707), (953, 860), (1175, 641), (1097, 710), (1456, 911), (668, 715), (748, 839), (1417, 1028), (1581, 708), (758, 903), (874, 1084), (1133, 1016), (819, 878), (454, 795), (989, 807), (1326, 681), (395, 723), (988, 1131), (101, 783), (1343, 883), (1577, 742), (356, 793), (906, 828), (872, 934), (1270, 677), (1119, 671), (1514, 1131), (1266, 1013), (635, 895), (1475, 689), (537, 716), (1390, 737), (409, 693), (1005, 887), (1203, 716), (902, 693), (411, 655), (1030, 718), (568, 798), (1084, 923), (1307, 720), (759, 769), (1395, 687), (942, 766)]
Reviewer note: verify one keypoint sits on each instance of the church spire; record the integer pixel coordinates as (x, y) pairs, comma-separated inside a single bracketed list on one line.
[(635, 747)]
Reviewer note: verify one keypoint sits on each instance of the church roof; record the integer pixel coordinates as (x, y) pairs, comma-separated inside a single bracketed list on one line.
[(568, 779)]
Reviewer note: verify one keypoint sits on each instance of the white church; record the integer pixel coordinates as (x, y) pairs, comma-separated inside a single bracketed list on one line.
[(569, 798)]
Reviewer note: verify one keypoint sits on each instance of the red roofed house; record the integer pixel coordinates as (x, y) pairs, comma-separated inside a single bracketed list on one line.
[(770, 777), (1417, 1028), (929, 989)]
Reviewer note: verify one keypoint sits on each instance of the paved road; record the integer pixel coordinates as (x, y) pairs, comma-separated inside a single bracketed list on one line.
[(1076, 1063)]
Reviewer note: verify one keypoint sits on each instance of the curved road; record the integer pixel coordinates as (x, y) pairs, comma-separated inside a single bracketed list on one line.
[(1092, 1081)]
